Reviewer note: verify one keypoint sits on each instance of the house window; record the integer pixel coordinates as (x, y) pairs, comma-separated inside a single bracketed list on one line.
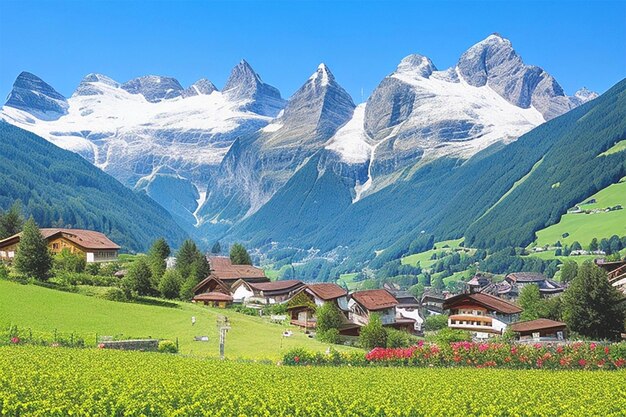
[(55, 246)]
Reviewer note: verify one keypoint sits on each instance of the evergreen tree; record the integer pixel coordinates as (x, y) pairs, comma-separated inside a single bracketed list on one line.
[(591, 305), (615, 244), (558, 252), (530, 301), (216, 249), (576, 246), (569, 270), (138, 280), (185, 257), (170, 284), (32, 258), (239, 255), (186, 288), (157, 255), (605, 246), (200, 267), (593, 246), (438, 283), (12, 221)]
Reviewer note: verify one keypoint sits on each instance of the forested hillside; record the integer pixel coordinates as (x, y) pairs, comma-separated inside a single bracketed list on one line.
[(498, 198), (60, 188)]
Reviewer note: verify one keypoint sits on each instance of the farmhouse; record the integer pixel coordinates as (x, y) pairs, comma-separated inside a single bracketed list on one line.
[(94, 246), (432, 302), (482, 314), (540, 330), (301, 306), (213, 298), (275, 292), (363, 304)]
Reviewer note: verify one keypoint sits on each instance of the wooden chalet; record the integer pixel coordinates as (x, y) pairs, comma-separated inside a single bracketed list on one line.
[(616, 273), (432, 303), (274, 292), (482, 314), (224, 274), (94, 246), (540, 330), (364, 303), (301, 306)]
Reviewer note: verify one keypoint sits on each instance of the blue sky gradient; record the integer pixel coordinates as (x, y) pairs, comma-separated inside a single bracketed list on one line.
[(580, 43)]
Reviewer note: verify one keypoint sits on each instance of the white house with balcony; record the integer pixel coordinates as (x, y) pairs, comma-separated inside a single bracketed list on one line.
[(362, 304), (483, 315)]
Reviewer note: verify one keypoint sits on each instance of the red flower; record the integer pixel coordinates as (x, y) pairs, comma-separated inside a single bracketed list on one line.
[(101, 346), (582, 362), (15, 340), (296, 359)]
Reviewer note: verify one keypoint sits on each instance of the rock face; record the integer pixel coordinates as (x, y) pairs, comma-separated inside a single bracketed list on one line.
[(256, 167), (30, 93), (200, 87), (245, 86), (89, 85), (493, 62), (154, 88)]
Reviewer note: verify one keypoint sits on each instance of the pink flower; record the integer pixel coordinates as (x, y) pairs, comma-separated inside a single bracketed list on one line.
[(296, 359), (101, 346), (592, 346), (582, 362), (15, 340)]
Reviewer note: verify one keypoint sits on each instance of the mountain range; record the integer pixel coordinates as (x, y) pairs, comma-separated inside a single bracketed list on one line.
[(242, 163)]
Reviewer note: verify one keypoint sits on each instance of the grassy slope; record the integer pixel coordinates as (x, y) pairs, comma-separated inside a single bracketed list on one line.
[(45, 310), (618, 147), (424, 257), (584, 227)]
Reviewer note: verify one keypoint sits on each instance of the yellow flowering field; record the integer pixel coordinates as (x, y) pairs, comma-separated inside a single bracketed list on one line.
[(47, 381)]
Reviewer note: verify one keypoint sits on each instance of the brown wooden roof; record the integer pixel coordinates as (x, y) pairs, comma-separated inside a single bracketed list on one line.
[(288, 284), (218, 284), (222, 268), (374, 299), (539, 324), (86, 239), (327, 290), (212, 296), (486, 300)]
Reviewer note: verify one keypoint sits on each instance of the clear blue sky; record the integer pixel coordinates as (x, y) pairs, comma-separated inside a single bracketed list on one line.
[(580, 43)]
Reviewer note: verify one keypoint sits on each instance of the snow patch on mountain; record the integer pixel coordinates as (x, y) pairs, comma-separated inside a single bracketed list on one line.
[(350, 141)]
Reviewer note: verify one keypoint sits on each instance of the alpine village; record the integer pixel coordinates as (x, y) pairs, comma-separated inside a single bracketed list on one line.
[(453, 243)]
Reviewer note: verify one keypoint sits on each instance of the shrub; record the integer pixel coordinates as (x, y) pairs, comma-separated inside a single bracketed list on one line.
[(329, 317), (115, 294), (4, 271), (167, 346), (329, 336), (373, 334), (398, 339), (447, 336), (435, 322)]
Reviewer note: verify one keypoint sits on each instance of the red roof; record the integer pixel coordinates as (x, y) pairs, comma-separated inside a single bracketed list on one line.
[(86, 239), (223, 268), (539, 324), (327, 291), (212, 296), (375, 299), (486, 300)]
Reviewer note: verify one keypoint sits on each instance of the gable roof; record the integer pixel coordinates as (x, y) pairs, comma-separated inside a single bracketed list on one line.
[(374, 299), (86, 239), (212, 296), (327, 290), (285, 285), (486, 300), (219, 284), (222, 268), (538, 324)]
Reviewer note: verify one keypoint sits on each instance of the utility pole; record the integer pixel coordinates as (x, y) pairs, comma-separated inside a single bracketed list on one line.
[(224, 326)]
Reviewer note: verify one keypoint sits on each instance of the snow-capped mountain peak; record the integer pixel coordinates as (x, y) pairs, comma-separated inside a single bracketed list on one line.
[(417, 65), (154, 88), (246, 86), (33, 95), (200, 87), (92, 84), (323, 74), (584, 94)]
